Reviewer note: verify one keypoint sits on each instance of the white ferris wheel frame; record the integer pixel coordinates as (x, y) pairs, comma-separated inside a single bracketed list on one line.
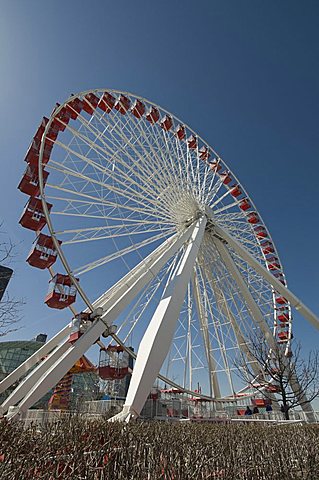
[(61, 355)]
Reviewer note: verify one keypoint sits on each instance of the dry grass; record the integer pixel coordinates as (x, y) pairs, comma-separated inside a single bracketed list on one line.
[(75, 449)]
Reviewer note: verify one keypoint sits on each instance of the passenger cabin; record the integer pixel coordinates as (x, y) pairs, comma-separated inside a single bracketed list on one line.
[(44, 253), (253, 218), (244, 205), (138, 108), (33, 216), (204, 153), (107, 102), (166, 123), (180, 132), (32, 156), (283, 317), (29, 183), (90, 103), (153, 115), (192, 142), (62, 292), (62, 118), (225, 178), (113, 363), (41, 128), (74, 108), (236, 191), (77, 329), (283, 337), (267, 247), (123, 104), (260, 231), (281, 300), (215, 165), (272, 388)]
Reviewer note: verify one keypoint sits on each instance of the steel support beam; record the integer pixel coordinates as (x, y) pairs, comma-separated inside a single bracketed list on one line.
[(241, 340), (159, 334), (34, 359), (203, 320), (259, 268), (253, 308), (220, 236), (114, 303)]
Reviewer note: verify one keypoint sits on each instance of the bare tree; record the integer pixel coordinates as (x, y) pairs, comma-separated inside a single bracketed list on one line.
[(10, 313), (290, 376)]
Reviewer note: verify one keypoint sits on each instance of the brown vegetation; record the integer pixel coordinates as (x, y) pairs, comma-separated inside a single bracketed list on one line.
[(98, 450)]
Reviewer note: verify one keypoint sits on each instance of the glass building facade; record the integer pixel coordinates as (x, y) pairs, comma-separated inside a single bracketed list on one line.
[(85, 386)]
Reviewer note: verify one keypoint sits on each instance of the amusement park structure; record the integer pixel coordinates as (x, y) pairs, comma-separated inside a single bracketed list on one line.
[(150, 229)]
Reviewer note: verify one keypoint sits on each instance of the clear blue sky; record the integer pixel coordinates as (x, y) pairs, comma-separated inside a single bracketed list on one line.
[(243, 74)]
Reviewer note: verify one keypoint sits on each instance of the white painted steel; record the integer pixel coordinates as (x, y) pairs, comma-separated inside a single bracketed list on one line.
[(35, 376), (252, 306), (118, 302), (127, 184), (158, 337), (34, 359), (278, 286)]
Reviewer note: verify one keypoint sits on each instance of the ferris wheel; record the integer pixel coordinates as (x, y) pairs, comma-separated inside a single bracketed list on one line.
[(148, 229)]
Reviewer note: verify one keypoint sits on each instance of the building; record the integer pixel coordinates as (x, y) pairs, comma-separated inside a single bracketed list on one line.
[(5, 275), (84, 386)]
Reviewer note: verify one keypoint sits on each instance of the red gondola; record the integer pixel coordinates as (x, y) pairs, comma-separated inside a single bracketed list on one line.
[(74, 108), (215, 165), (192, 142), (260, 231), (32, 156), (29, 183), (225, 178), (107, 102), (62, 118), (281, 300), (77, 325), (41, 129), (204, 153), (62, 292), (236, 191), (90, 103), (274, 266), (283, 317), (244, 205), (44, 253), (253, 218), (267, 247), (153, 115), (283, 336), (138, 108), (166, 123), (33, 216), (113, 363), (123, 104), (180, 132)]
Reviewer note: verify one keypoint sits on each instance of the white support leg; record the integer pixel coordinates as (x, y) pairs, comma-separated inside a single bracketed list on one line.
[(278, 286), (281, 289), (115, 304), (203, 320), (255, 312), (241, 341), (29, 382), (34, 359), (159, 334)]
